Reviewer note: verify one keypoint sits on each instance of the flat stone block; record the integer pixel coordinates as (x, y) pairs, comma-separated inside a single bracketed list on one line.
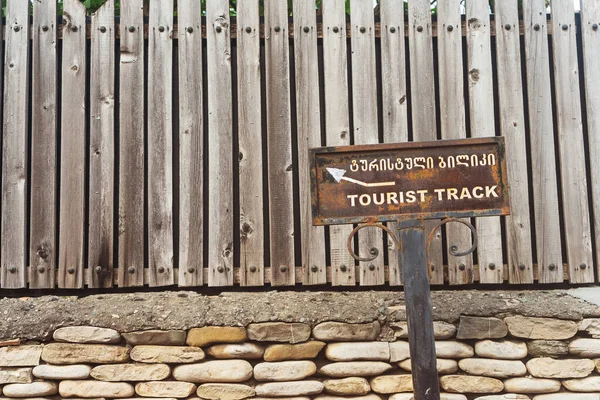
[(166, 354), (94, 389), (502, 350), (298, 388), (541, 328), (354, 368), (585, 347), (453, 349), (362, 351), (279, 332), (165, 389), (302, 351), (62, 372), (71, 353), (229, 391), (219, 371), (15, 375), (352, 386), (492, 368), (131, 372), (284, 370), (200, 337), (35, 389), (471, 384), (342, 332), (86, 334), (589, 384), (531, 385), (20, 356), (560, 369), (481, 328), (387, 384), (155, 338), (245, 351), (547, 348)]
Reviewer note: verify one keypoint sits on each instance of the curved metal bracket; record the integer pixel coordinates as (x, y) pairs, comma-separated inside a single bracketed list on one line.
[(453, 250), (374, 251)]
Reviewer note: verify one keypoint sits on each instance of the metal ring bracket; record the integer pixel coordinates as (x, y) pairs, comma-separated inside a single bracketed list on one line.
[(375, 254)]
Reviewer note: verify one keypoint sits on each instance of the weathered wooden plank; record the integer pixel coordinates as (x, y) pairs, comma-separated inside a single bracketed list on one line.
[(590, 21), (364, 108), (191, 139), (160, 144), (279, 144), (423, 107), (131, 145), (220, 164), (512, 126), (337, 123), (541, 131), (102, 148), (453, 122), (252, 258), (309, 135), (481, 108), (72, 148), (395, 106), (576, 212), (43, 218), (13, 240)]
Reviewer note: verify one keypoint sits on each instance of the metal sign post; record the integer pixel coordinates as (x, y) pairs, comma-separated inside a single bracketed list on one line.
[(408, 183)]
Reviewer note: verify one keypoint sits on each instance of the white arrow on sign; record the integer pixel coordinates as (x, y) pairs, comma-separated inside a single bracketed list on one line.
[(338, 175)]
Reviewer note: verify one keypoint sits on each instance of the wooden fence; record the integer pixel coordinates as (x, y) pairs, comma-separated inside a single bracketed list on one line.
[(167, 150)]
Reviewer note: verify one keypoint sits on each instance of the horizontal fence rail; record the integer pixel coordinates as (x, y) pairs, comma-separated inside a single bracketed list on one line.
[(148, 146)]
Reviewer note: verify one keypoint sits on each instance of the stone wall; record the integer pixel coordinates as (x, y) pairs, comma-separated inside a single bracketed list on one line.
[(478, 358), (297, 345)]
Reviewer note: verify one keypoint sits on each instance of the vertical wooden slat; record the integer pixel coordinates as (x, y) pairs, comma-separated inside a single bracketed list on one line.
[(364, 106), (453, 122), (337, 128), (309, 135), (423, 103), (279, 143), (160, 143), (252, 258), (102, 148), (72, 148), (14, 146), (42, 246), (395, 106), (481, 110), (541, 131), (590, 17), (131, 145), (578, 233), (512, 126), (220, 167), (191, 139)]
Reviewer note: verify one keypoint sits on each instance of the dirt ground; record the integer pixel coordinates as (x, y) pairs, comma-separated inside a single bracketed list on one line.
[(35, 318)]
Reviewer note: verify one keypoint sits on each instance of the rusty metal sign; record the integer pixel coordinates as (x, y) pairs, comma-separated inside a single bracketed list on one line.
[(414, 180)]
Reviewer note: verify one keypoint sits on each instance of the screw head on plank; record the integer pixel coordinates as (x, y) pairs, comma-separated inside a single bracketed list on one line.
[(131, 270), (248, 29), (71, 270), (552, 267), (595, 27), (582, 266), (103, 29), (336, 29), (450, 28), (565, 27), (161, 28), (492, 266), (419, 28), (507, 27), (283, 268), (536, 27), (522, 267), (343, 268), (277, 29), (191, 270), (371, 267), (17, 28), (131, 28), (362, 29), (252, 268), (393, 29), (45, 28), (314, 268), (306, 29), (98, 269), (220, 269), (462, 267), (190, 29), (74, 28)]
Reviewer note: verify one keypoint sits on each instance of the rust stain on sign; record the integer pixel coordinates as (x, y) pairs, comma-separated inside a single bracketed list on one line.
[(386, 182)]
